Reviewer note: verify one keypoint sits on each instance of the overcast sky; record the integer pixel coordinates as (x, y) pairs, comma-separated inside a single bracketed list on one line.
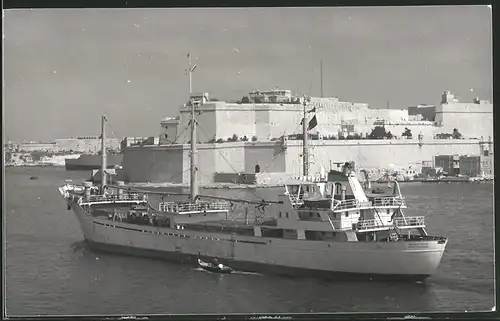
[(64, 68)]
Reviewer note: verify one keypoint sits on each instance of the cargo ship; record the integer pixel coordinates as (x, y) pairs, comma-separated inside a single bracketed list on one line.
[(323, 228), (88, 162)]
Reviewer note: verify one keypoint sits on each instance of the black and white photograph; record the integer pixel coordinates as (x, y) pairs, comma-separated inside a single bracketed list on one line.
[(248, 161)]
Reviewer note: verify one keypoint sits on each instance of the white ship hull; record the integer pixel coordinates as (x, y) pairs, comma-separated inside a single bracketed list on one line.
[(406, 259)]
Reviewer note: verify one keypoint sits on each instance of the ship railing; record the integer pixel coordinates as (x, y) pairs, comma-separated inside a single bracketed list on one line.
[(398, 222), (389, 201), (117, 197), (368, 224), (177, 207), (410, 221), (349, 204)]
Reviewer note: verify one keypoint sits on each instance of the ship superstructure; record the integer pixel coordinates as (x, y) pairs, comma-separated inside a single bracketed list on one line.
[(320, 228)]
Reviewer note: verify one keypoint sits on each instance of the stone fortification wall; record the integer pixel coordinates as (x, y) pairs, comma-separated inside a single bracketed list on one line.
[(161, 164), (424, 128), (31, 147), (28, 159), (228, 157), (235, 119), (268, 156), (86, 145), (375, 153), (285, 119), (206, 119), (471, 119), (220, 120), (74, 144)]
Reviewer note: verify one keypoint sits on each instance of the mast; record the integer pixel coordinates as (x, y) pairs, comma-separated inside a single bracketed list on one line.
[(193, 185), (189, 72), (103, 153), (321, 73), (305, 147)]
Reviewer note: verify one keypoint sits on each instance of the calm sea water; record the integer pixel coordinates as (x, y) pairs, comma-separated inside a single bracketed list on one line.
[(49, 270)]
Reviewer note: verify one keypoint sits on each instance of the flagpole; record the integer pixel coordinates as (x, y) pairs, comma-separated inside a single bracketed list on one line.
[(305, 143)]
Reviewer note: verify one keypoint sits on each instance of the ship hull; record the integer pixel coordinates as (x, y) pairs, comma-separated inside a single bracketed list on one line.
[(332, 260), (255, 267)]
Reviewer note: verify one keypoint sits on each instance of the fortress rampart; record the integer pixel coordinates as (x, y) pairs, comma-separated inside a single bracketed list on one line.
[(157, 164), (265, 121), (77, 145)]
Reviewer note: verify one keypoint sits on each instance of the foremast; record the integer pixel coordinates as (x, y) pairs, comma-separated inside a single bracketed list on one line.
[(193, 155)]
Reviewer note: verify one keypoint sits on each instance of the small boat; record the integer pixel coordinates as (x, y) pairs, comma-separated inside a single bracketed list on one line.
[(378, 190), (216, 268), (33, 177)]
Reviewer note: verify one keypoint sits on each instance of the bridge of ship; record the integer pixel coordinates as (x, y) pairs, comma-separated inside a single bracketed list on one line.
[(337, 206)]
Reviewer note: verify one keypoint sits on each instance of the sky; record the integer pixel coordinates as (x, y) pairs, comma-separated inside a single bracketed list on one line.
[(64, 68)]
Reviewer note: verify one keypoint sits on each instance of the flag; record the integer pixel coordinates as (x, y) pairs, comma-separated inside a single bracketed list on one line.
[(313, 123), (312, 110)]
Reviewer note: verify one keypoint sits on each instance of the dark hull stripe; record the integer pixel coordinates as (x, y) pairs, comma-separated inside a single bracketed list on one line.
[(250, 266)]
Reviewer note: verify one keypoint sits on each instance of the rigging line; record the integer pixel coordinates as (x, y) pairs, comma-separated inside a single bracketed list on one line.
[(112, 130), (227, 161), (178, 135), (272, 160), (178, 174)]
